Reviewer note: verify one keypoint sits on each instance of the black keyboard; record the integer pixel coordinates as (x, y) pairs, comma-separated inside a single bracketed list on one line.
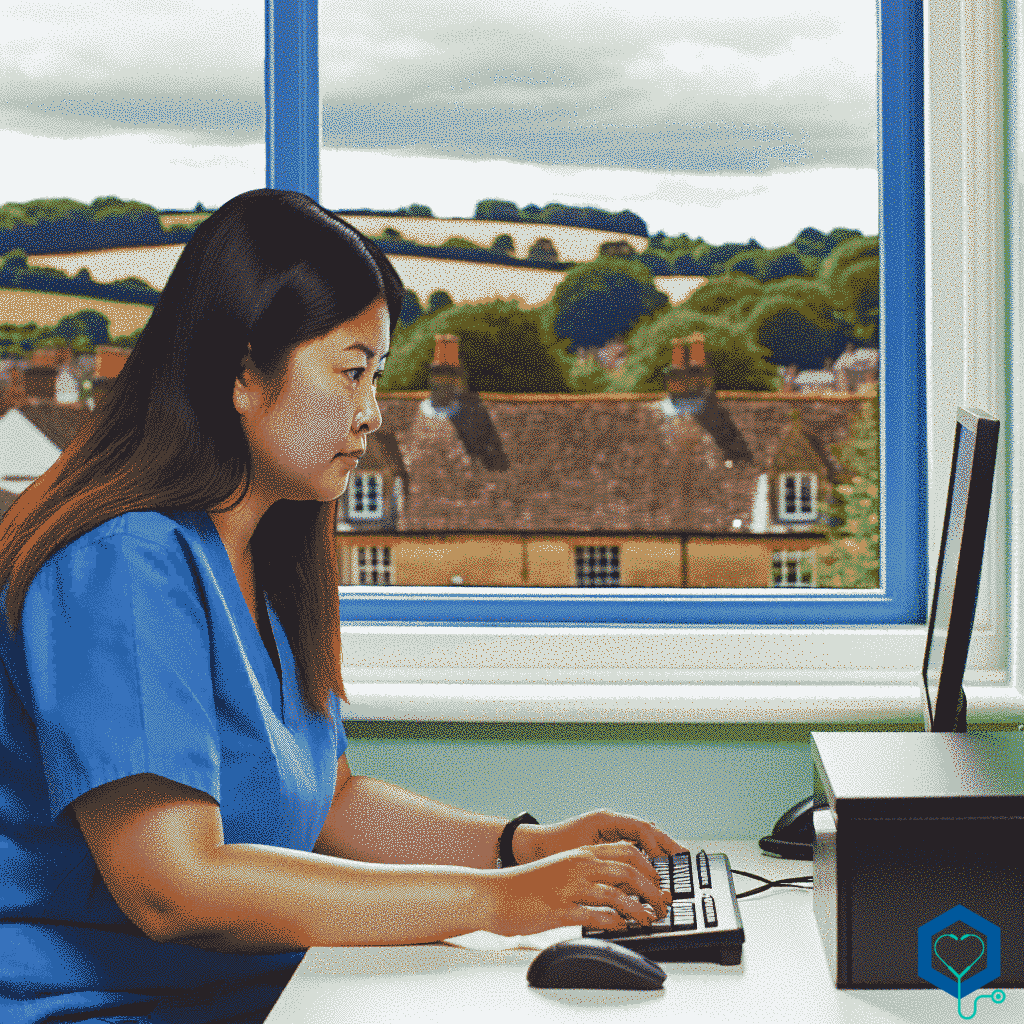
[(702, 924)]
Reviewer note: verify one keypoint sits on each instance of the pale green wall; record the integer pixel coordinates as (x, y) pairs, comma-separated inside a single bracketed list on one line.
[(695, 781)]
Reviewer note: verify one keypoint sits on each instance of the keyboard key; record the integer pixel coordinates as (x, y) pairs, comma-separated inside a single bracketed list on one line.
[(684, 916), (682, 876), (710, 914), (703, 870), (661, 865)]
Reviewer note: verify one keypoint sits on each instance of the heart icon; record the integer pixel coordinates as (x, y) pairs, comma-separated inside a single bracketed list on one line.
[(953, 950)]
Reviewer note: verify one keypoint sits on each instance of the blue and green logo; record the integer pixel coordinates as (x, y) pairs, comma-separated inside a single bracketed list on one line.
[(959, 951)]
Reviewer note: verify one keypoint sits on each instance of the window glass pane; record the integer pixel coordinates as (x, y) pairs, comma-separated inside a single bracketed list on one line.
[(117, 125), (706, 392)]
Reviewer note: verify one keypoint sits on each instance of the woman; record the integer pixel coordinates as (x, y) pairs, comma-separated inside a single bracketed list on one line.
[(178, 821)]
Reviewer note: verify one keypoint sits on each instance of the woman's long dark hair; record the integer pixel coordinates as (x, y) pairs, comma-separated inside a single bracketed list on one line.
[(268, 270)]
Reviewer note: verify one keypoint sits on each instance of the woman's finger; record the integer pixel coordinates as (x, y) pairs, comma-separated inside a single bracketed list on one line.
[(630, 876), (628, 852), (626, 905)]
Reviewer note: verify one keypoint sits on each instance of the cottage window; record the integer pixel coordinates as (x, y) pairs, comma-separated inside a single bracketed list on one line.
[(364, 496), (371, 567), (798, 497), (794, 569), (597, 566)]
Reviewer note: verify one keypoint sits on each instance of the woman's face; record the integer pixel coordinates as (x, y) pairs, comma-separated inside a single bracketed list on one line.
[(326, 405)]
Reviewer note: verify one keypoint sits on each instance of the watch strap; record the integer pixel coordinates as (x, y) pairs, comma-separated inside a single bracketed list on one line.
[(506, 859)]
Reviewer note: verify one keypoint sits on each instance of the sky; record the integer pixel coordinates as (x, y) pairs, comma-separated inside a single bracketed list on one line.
[(752, 122)]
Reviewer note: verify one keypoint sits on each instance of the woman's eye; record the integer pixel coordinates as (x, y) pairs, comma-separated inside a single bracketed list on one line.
[(356, 371)]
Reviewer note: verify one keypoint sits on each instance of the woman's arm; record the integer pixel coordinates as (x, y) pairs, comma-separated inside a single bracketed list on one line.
[(160, 849), (370, 820)]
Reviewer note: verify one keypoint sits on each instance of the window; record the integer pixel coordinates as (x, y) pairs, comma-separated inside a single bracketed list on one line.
[(364, 496), (902, 596), (732, 638), (597, 566), (798, 497), (794, 569), (371, 567)]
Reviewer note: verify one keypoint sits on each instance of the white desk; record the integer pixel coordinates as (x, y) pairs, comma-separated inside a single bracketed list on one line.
[(783, 978)]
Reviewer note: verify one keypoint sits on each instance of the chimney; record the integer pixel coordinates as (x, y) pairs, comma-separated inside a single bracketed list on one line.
[(110, 360), (447, 380), (689, 380)]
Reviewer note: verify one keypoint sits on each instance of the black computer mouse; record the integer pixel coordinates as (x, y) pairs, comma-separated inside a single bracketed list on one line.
[(593, 963)]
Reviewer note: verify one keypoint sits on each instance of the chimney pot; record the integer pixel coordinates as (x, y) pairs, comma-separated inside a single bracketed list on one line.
[(688, 380), (447, 380), (446, 350), (677, 354)]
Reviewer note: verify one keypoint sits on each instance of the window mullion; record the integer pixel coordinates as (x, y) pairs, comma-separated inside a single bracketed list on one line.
[(292, 96)]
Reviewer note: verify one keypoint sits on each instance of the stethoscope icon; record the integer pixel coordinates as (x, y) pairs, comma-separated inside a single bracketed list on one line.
[(997, 997)]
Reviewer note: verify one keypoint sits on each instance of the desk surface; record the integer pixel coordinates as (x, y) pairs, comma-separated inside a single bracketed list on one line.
[(783, 978)]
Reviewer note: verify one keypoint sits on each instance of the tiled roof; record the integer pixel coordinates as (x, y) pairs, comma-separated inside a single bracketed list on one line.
[(598, 464), (585, 464)]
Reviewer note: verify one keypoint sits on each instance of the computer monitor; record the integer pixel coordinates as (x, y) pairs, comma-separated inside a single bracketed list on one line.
[(958, 573)]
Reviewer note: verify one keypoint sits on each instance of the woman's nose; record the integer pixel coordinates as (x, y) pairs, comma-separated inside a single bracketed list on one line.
[(368, 415)]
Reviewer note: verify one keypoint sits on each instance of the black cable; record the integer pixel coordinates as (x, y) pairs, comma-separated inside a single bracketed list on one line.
[(788, 883)]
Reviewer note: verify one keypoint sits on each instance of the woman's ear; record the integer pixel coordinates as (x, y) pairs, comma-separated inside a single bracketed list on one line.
[(246, 391)]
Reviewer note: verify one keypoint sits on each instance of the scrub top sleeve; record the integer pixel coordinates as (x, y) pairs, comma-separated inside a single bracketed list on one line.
[(118, 668)]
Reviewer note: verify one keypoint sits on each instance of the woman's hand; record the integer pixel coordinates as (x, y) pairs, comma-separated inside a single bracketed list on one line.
[(533, 842), (597, 886)]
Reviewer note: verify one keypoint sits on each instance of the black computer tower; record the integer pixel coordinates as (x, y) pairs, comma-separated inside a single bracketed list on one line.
[(912, 826)]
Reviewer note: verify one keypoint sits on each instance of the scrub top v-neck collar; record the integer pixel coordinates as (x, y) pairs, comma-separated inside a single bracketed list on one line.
[(241, 614)]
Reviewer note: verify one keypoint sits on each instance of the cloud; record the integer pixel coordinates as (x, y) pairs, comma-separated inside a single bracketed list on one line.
[(559, 82)]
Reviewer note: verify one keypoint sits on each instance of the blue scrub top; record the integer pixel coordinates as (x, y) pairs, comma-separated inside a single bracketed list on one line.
[(138, 654)]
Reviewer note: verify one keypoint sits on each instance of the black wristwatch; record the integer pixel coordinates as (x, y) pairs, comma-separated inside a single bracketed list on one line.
[(506, 859)]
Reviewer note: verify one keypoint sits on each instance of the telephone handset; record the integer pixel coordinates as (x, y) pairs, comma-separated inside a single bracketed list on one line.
[(793, 835)]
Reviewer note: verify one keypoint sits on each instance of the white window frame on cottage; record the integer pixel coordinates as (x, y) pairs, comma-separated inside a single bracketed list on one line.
[(799, 514), (782, 561), (972, 303), (359, 480), (372, 553)]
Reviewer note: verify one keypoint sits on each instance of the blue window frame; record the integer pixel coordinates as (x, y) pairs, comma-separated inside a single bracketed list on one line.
[(293, 141)]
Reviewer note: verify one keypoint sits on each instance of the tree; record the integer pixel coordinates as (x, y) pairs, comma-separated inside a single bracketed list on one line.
[(794, 320), (12, 266), (544, 251), (497, 209), (86, 326), (458, 242), (438, 300), (730, 295), (850, 274), (588, 377), (417, 210), (501, 348), (504, 244), (598, 300), (853, 530), (655, 262), (737, 362), (411, 307)]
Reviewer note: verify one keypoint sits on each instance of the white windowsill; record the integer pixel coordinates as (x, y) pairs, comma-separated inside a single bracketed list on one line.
[(466, 673)]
